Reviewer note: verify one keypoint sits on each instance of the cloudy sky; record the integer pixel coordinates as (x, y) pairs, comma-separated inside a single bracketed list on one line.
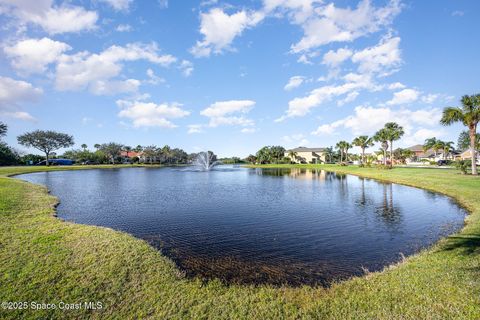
[(232, 76)]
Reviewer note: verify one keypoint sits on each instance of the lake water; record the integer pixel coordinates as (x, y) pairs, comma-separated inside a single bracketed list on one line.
[(293, 226)]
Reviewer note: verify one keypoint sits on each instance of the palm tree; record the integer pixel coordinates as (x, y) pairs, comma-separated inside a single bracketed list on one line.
[(431, 143), (84, 147), (383, 137), (97, 146), (394, 133), (329, 153), (347, 146), (363, 142), (292, 155), (127, 149), (341, 147), (447, 148), (469, 115)]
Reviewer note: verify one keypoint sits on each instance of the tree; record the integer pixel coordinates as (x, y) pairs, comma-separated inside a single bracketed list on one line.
[(84, 147), (343, 147), (112, 150), (431, 143), (463, 142), (383, 137), (97, 146), (3, 129), (138, 148), (329, 154), (469, 115), (251, 158), (363, 142), (402, 154), (394, 132), (447, 148), (45, 141), (292, 155), (127, 149)]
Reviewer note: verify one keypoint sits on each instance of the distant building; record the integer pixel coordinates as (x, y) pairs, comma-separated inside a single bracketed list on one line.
[(307, 155), (420, 154), (467, 155)]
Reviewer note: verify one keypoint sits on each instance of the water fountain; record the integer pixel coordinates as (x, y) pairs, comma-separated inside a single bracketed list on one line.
[(205, 161)]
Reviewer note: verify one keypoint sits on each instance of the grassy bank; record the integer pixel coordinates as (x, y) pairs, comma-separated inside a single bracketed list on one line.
[(43, 259)]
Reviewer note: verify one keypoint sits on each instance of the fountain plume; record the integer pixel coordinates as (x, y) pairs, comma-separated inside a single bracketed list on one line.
[(206, 160)]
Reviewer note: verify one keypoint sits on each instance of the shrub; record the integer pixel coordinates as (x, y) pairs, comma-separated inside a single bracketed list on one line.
[(383, 167), (8, 156), (463, 165)]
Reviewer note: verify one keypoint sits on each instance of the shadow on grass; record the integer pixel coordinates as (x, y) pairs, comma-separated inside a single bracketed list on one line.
[(470, 244)]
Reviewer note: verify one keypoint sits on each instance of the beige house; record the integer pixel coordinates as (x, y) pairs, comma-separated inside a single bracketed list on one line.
[(307, 155), (467, 155)]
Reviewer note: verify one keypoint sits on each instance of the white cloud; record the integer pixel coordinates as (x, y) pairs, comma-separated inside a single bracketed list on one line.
[(294, 82), (404, 97), (186, 67), (248, 130), (13, 93), (113, 87), (299, 107), (163, 4), (430, 98), (53, 19), (296, 140), (458, 13), (382, 58), (396, 85), (367, 120), (34, 55), (124, 28), (219, 29), (93, 71), (153, 78), (226, 113), (149, 114), (349, 98), (335, 58), (195, 128), (328, 23), (119, 5)]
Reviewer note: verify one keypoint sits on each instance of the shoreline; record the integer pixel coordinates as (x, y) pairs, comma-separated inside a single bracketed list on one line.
[(286, 294)]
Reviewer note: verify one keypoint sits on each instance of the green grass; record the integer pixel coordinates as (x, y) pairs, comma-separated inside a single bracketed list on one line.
[(43, 259)]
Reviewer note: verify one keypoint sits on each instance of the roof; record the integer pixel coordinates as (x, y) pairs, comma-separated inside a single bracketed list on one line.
[(131, 154), (417, 147), (304, 149)]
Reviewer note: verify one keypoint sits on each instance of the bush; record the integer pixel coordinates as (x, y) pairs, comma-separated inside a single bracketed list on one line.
[(463, 165), (8, 156)]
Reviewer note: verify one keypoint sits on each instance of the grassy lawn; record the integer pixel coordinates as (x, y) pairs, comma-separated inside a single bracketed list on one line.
[(45, 260)]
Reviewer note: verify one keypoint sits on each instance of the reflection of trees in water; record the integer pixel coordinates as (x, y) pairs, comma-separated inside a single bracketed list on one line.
[(387, 211), (292, 172)]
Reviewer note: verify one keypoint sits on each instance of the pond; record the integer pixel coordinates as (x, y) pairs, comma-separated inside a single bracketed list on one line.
[(275, 226)]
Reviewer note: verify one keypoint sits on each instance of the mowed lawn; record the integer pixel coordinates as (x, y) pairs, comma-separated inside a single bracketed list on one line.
[(46, 260)]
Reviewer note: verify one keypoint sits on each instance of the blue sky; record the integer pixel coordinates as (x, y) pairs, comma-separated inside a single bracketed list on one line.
[(232, 76)]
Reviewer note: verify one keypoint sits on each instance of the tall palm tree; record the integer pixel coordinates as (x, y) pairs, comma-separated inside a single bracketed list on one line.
[(97, 146), (383, 137), (346, 147), (394, 133), (341, 147), (469, 115), (363, 142), (84, 146)]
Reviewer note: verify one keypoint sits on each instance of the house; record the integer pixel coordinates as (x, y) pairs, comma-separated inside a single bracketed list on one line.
[(420, 154), (307, 155), (467, 155)]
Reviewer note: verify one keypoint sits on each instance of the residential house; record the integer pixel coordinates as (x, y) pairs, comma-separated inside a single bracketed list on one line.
[(307, 155), (467, 155)]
